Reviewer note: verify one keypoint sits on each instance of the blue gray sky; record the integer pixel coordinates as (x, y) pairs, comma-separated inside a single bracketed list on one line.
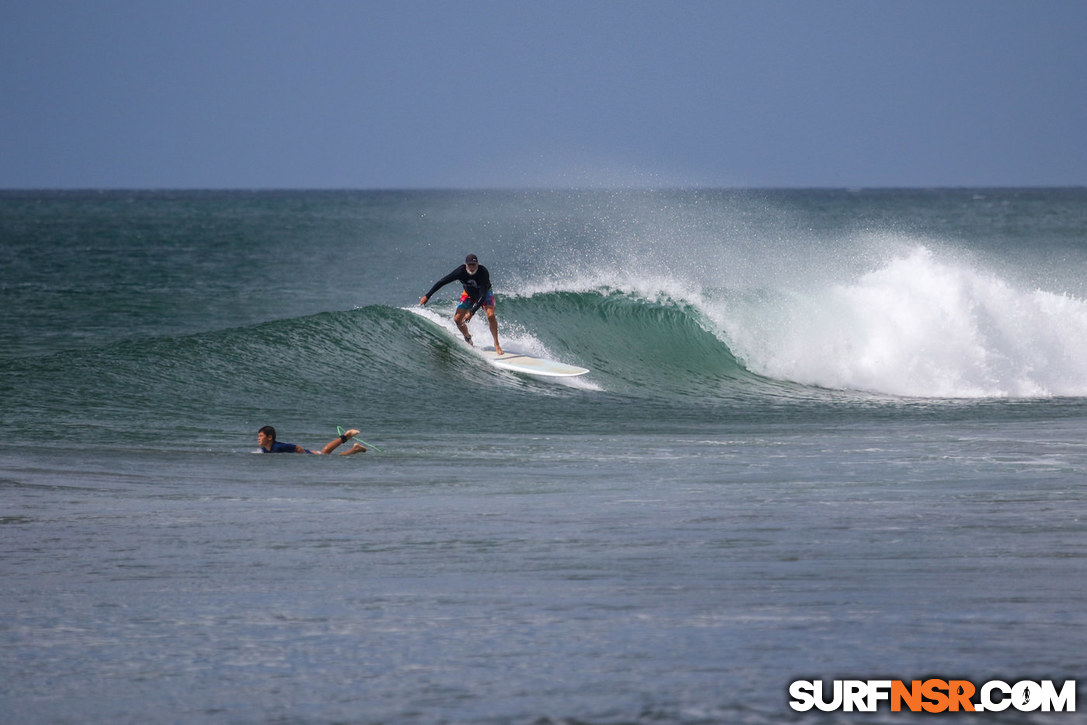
[(552, 93)]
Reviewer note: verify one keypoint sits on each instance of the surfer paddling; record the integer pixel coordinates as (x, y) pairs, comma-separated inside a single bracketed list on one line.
[(266, 439), (477, 293)]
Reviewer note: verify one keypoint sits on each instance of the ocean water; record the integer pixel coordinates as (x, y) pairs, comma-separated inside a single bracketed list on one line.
[(827, 435)]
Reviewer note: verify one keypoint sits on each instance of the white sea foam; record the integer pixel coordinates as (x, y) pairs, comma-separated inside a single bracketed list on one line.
[(919, 326)]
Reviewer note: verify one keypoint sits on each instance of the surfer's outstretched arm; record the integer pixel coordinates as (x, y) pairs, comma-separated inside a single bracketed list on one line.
[(456, 274)]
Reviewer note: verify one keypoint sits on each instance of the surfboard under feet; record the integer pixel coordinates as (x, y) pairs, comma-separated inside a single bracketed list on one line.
[(521, 363)]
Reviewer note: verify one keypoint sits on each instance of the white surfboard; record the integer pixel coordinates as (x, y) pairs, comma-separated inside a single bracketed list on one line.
[(514, 361), (520, 363)]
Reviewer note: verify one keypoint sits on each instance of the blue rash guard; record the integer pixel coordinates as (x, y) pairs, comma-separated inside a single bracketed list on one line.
[(278, 447)]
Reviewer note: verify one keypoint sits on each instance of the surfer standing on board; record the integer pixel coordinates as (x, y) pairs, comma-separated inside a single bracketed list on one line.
[(477, 293)]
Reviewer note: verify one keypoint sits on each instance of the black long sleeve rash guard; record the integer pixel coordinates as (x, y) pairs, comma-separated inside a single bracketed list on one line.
[(476, 286)]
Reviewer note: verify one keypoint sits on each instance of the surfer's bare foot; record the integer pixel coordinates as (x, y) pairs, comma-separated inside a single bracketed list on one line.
[(498, 349)]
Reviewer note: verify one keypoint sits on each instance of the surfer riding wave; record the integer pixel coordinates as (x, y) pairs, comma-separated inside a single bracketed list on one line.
[(477, 293)]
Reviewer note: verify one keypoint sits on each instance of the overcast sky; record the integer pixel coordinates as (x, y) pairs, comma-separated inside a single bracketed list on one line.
[(510, 93)]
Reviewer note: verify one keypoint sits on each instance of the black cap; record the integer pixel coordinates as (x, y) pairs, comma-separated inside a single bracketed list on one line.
[(471, 259)]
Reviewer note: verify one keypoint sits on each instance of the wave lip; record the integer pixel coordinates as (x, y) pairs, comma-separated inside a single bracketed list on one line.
[(916, 324)]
